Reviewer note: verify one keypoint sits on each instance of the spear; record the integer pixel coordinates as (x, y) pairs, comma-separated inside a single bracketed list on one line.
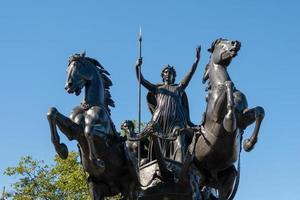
[(139, 109)]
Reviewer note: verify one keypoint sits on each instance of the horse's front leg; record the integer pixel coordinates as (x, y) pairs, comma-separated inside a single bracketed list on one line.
[(229, 121), (249, 116), (68, 127)]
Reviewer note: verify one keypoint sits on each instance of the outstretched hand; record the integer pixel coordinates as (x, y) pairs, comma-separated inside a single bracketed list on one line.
[(198, 50)]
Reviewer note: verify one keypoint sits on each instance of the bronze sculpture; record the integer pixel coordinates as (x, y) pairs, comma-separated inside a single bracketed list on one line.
[(226, 114), (169, 107), (185, 161), (102, 152)]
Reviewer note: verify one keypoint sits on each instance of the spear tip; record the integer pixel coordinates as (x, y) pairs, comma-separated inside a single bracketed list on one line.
[(140, 33)]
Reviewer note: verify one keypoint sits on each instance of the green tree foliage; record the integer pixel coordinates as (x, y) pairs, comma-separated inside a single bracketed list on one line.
[(38, 181), (65, 180)]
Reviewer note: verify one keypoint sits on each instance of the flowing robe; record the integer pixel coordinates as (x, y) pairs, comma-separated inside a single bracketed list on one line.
[(169, 107)]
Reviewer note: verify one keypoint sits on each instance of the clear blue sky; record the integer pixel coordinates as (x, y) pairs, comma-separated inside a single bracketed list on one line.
[(37, 37)]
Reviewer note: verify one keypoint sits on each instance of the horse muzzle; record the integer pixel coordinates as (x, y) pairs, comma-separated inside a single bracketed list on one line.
[(72, 90)]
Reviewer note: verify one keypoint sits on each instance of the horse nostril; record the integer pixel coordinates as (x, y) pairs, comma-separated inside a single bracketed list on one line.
[(238, 44), (68, 85)]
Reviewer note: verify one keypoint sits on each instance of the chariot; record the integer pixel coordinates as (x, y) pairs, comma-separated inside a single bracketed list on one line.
[(206, 168)]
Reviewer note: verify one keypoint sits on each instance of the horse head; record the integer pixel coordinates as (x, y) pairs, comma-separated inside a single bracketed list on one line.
[(80, 71), (224, 50), (87, 72)]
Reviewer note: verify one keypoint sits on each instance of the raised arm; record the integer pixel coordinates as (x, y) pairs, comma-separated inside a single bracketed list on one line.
[(184, 83), (151, 87)]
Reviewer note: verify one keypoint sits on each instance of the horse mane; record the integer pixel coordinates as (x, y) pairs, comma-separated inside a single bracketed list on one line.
[(104, 75), (106, 82)]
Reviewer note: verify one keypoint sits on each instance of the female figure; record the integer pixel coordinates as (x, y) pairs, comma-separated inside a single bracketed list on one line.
[(169, 107)]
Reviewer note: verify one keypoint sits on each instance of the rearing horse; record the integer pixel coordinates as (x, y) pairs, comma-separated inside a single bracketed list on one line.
[(226, 115), (102, 153)]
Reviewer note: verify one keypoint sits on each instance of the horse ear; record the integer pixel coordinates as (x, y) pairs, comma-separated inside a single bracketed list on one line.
[(212, 47), (83, 54), (218, 41)]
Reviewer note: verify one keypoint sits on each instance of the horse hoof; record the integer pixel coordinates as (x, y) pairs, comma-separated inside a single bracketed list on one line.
[(62, 151), (248, 145), (260, 112)]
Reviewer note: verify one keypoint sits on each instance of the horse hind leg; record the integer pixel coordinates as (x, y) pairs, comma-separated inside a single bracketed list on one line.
[(97, 190), (229, 122), (133, 193), (89, 134), (226, 183), (195, 187)]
